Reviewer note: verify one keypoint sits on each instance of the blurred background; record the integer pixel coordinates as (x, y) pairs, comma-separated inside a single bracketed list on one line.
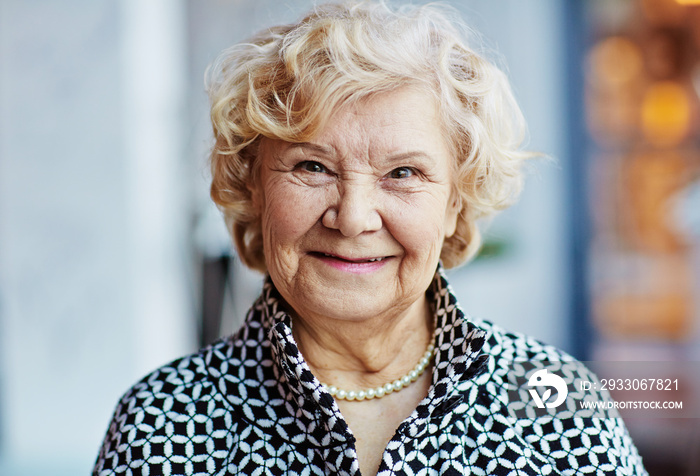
[(113, 261)]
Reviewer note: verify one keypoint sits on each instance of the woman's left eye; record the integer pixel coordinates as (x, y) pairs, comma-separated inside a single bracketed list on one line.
[(402, 173), (311, 166)]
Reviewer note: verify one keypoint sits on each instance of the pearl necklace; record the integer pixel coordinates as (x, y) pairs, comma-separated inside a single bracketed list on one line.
[(383, 390)]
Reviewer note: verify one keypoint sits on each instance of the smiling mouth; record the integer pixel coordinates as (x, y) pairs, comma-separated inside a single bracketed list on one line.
[(349, 260)]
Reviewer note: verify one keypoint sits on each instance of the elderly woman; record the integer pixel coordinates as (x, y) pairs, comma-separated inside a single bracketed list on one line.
[(354, 152)]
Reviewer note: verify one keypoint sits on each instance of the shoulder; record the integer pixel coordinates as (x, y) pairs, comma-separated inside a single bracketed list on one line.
[(567, 437), (156, 415), (515, 346), (518, 362)]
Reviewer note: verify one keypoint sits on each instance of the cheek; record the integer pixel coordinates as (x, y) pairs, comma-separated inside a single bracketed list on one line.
[(419, 226), (288, 213), (282, 225)]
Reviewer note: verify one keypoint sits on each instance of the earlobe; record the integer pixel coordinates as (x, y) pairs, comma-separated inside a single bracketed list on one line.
[(452, 214)]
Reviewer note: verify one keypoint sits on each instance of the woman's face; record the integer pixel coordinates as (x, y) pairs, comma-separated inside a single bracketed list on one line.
[(354, 220)]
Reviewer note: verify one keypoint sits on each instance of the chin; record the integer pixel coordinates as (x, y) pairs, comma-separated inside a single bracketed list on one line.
[(356, 305)]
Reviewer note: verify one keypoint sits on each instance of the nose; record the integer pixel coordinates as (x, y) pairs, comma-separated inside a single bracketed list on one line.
[(355, 211)]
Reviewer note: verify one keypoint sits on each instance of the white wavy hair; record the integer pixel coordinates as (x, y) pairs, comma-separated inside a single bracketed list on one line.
[(287, 80)]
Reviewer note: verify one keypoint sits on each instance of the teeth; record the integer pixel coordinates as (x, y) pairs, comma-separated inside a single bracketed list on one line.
[(372, 260)]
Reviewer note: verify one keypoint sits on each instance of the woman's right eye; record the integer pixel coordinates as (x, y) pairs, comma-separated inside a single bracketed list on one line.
[(311, 166)]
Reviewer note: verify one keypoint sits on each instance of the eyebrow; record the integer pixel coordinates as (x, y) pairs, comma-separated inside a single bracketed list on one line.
[(329, 150), (323, 149), (413, 154)]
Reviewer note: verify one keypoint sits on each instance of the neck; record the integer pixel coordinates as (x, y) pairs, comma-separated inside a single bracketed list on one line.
[(368, 352)]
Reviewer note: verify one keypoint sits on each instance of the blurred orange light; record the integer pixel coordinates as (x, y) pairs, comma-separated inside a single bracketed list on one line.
[(665, 113), (615, 60), (688, 2)]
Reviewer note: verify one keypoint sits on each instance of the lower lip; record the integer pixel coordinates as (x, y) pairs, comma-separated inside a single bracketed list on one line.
[(356, 267)]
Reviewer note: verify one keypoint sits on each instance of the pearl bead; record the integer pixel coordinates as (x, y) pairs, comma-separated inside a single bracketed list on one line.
[(391, 387)]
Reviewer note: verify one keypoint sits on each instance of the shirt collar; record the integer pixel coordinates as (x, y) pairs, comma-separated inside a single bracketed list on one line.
[(458, 341), (458, 360)]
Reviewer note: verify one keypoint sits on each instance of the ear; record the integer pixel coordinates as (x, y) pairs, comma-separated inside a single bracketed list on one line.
[(454, 206)]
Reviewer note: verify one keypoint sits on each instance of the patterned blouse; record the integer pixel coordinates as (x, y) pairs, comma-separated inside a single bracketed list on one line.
[(249, 404)]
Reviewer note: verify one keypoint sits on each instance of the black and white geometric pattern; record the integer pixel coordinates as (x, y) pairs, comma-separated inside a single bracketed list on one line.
[(249, 404)]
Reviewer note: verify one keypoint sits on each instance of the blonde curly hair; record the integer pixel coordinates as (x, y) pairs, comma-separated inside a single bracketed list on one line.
[(286, 81)]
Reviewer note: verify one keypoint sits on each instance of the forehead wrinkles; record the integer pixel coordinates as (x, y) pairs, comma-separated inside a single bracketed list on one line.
[(349, 136), (360, 137)]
